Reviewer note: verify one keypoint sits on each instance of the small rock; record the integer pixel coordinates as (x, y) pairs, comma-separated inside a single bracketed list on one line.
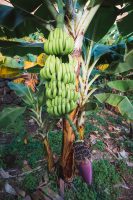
[(9, 189), (31, 121)]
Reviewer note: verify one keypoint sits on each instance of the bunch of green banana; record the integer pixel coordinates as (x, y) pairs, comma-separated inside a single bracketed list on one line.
[(60, 85), (59, 106), (61, 89), (59, 43), (56, 70)]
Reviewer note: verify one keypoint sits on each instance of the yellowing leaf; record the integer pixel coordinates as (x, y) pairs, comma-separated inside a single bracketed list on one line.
[(7, 72), (41, 59), (102, 67), (28, 64), (19, 80)]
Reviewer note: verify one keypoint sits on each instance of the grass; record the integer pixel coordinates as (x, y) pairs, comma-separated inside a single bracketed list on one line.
[(99, 145)]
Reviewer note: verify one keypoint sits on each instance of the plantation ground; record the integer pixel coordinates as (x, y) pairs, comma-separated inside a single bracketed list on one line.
[(112, 155)]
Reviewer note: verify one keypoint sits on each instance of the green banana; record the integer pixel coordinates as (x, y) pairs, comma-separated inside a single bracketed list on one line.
[(60, 46), (59, 109), (53, 77), (71, 94), (56, 111), (76, 96), (48, 103), (50, 46), (51, 35), (46, 49), (68, 109), (72, 104), (63, 108), (54, 92), (56, 100), (59, 91), (59, 72), (59, 100), (63, 90), (54, 47), (53, 102), (72, 44)]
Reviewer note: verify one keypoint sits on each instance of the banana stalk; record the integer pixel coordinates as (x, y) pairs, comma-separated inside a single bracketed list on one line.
[(49, 154), (67, 158)]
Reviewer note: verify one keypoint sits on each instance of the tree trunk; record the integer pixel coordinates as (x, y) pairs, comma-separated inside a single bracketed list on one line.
[(49, 154), (67, 161)]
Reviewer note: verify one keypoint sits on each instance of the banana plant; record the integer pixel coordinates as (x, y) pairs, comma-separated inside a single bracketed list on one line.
[(87, 22)]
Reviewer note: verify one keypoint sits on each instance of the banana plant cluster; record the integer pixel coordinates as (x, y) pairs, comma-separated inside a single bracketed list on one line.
[(84, 24)]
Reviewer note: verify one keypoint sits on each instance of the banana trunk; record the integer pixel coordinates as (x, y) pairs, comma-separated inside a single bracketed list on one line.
[(49, 154), (67, 159)]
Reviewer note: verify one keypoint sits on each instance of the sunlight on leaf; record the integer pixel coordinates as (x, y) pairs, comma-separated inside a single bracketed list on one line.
[(7, 72)]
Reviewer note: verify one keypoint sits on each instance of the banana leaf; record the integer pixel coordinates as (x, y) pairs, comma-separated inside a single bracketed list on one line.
[(121, 85), (7, 72), (121, 102), (9, 115), (24, 92)]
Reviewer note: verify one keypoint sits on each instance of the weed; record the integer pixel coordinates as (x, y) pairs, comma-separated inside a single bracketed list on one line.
[(30, 182), (99, 145), (129, 145), (123, 168), (32, 151), (55, 140)]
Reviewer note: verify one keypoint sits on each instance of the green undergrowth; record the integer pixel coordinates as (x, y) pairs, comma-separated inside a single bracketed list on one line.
[(31, 152), (104, 179), (105, 175), (99, 145)]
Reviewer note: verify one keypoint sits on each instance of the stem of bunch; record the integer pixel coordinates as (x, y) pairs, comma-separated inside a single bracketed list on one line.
[(60, 20), (73, 127)]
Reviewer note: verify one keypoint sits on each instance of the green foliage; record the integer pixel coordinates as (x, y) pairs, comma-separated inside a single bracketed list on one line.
[(99, 145), (123, 168), (9, 115), (128, 143), (124, 24), (121, 85), (89, 127), (30, 182), (105, 177), (18, 126), (55, 140), (21, 46), (24, 92), (90, 107), (96, 30), (32, 151)]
